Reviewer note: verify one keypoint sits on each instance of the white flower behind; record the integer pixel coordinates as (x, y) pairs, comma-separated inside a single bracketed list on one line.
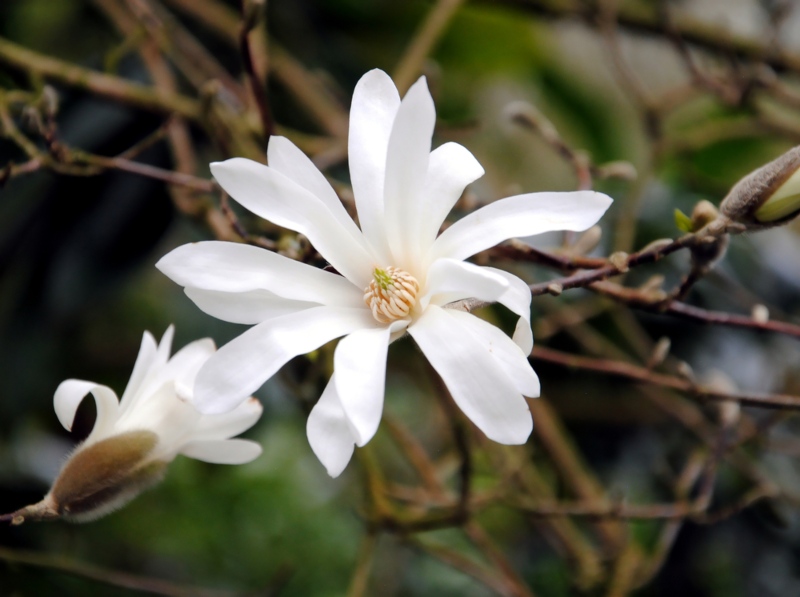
[(396, 275), (135, 437)]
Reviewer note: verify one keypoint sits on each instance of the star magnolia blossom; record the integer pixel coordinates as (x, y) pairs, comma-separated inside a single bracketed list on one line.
[(396, 275), (134, 438)]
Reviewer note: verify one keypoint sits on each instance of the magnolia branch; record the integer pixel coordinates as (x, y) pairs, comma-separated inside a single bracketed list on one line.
[(641, 374)]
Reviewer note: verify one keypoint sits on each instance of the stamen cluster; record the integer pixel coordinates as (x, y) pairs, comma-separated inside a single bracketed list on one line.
[(391, 294)]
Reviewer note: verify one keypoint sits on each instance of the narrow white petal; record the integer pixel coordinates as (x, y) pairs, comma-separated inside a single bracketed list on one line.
[(240, 367), (230, 424), (478, 385), (360, 366), (179, 372), (523, 215), (234, 267), (165, 346), (274, 197), (329, 431), (450, 169), (145, 361), (227, 451), (504, 350), (182, 368), (250, 307), (372, 113), (517, 299), (406, 169), (450, 280), (70, 394), (285, 157)]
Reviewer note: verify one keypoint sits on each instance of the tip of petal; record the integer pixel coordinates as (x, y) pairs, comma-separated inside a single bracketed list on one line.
[(516, 436)]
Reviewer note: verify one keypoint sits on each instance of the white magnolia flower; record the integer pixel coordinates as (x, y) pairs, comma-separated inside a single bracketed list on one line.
[(395, 275), (135, 437)]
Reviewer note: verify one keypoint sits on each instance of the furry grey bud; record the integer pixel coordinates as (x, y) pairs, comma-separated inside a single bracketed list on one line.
[(98, 479), (769, 196)]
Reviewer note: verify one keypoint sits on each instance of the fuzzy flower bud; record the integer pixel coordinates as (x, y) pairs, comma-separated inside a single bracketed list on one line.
[(769, 196), (136, 437)]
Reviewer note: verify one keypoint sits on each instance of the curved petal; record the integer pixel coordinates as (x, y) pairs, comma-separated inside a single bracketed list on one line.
[(224, 451), (372, 113), (523, 215), (70, 394), (285, 157), (329, 431), (517, 299), (450, 169), (508, 356), (145, 361), (450, 280), (482, 390), (360, 366), (245, 363), (250, 307), (274, 197), (406, 168), (230, 424), (234, 267)]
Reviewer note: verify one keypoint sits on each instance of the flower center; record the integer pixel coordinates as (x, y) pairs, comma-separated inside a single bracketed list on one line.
[(391, 294)]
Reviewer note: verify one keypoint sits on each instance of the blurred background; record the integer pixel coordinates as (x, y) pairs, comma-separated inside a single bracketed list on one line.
[(668, 102)]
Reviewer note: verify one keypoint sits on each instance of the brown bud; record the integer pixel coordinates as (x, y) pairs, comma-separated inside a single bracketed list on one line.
[(99, 479), (769, 196)]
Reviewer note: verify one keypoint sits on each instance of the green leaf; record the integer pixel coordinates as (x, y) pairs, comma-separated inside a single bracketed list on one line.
[(682, 221)]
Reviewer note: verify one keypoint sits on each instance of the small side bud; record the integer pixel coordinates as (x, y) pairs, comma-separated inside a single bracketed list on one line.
[(49, 101), (760, 313), (620, 261), (708, 247), (769, 196), (660, 352)]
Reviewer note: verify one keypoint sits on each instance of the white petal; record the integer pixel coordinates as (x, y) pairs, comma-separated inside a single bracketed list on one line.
[(372, 112), (145, 361), (230, 424), (360, 366), (285, 157), (227, 451), (329, 431), (250, 307), (517, 299), (450, 280), (274, 197), (70, 394), (450, 169), (178, 373), (478, 385), (182, 368), (165, 346), (160, 410), (234, 267), (406, 169), (504, 350), (523, 215), (244, 364)]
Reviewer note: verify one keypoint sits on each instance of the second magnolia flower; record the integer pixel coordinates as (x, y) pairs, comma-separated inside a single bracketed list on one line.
[(397, 275)]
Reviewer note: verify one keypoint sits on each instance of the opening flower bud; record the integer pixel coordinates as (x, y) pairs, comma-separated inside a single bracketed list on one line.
[(134, 438), (769, 196)]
